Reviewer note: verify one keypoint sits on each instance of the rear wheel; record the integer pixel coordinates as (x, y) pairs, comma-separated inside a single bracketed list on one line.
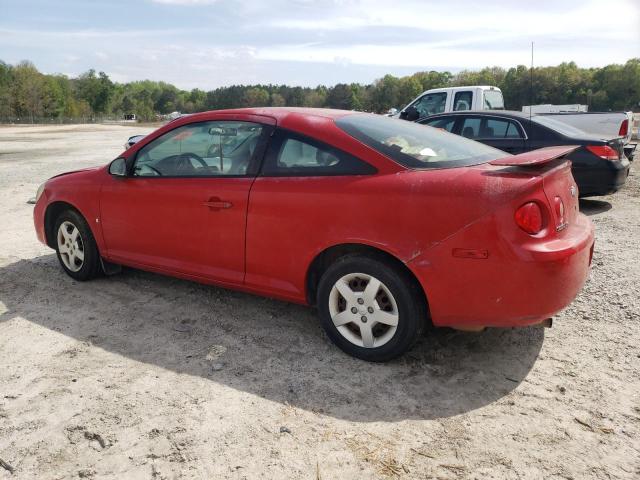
[(75, 246), (370, 309)]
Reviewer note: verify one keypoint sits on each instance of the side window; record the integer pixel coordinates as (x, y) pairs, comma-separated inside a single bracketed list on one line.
[(471, 127), (445, 123), (290, 154), (498, 128), (431, 104), (200, 150), (462, 101)]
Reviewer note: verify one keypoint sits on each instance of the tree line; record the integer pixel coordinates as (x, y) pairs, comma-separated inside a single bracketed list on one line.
[(27, 95)]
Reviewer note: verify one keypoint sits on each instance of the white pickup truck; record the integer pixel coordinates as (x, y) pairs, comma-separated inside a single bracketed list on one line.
[(452, 99)]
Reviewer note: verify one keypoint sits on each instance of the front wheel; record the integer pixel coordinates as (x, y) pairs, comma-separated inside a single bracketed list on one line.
[(75, 246), (370, 309)]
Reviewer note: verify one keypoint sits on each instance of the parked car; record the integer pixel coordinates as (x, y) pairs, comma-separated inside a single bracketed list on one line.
[(133, 140), (599, 166), (385, 226), (452, 99)]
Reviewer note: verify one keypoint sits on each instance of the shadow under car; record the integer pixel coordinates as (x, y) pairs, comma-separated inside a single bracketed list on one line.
[(272, 349)]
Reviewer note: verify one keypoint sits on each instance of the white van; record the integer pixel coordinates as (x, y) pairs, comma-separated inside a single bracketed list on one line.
[(452, 99)]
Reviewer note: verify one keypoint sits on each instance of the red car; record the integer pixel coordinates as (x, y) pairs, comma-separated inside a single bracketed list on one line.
[(386, 226)]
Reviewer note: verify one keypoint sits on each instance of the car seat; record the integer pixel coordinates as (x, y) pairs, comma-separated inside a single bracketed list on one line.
[(468, 132)]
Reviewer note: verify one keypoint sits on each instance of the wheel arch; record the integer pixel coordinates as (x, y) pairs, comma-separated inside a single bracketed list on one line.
[(54, 209), (329, 255)]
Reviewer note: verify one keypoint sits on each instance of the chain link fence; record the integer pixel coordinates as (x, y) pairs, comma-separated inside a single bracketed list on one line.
[(64, 120)]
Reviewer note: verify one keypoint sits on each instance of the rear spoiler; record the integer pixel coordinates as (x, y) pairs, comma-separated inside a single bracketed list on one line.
[(535, 157)]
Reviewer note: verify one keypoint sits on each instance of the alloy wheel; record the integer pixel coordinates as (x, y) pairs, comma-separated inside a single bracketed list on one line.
[(70, 246), (363, 310)]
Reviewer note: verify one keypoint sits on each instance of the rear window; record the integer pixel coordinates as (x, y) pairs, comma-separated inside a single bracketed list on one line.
[(493, 100), (416, 146), (559, 126)]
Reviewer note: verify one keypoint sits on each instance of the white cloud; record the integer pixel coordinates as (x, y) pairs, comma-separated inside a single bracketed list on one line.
[(497, 34), (318, 41)]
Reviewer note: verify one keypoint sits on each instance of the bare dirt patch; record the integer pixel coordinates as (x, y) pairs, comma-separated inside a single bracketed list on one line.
[(143, 376)]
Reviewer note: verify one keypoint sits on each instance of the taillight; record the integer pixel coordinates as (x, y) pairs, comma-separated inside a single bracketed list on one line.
[(529, 218), (559, 206), (624, 128), (603, 151)]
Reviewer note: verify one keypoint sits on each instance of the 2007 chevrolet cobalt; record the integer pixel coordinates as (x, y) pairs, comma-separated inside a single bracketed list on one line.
[(386, 226)]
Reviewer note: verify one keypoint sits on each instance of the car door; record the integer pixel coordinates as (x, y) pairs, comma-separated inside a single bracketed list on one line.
[(498, 132), (292, 210), (182, 207)]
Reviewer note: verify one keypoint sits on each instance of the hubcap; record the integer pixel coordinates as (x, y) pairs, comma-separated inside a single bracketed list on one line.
[(363, 310), (70, 246)]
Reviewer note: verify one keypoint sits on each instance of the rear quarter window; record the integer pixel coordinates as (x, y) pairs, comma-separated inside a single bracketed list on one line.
[(294, 155)]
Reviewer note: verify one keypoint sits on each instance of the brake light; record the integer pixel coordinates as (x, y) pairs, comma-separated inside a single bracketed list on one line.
[(603, 151), (529, 218), (559, 205), (624, 128)]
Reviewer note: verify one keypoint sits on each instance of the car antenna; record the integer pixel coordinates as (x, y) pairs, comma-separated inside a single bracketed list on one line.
[(531, 88)]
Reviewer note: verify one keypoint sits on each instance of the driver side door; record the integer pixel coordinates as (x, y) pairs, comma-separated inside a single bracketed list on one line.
[(182, 207)]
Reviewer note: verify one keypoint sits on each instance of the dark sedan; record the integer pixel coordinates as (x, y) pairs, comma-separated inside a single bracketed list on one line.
[(599, 166)]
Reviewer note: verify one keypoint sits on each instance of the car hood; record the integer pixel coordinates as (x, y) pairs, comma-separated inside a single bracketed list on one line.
[(89, 169)]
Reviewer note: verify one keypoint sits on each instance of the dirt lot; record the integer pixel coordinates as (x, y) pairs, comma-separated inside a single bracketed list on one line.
[(142, 376)]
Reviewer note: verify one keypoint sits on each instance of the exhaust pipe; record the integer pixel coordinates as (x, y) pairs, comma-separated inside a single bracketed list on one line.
[(548, 323)]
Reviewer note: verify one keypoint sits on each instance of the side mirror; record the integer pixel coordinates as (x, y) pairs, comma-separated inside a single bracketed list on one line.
[(118, 168), (410, 113)]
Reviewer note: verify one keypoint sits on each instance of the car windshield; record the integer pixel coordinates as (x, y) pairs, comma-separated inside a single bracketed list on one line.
[(416, 146), (559, 126)]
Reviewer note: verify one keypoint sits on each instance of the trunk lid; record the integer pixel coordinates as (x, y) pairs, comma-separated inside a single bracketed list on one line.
[(558, 184), (562, 194)]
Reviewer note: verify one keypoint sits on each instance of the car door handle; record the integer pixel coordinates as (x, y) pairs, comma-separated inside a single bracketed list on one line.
[(217, 204)]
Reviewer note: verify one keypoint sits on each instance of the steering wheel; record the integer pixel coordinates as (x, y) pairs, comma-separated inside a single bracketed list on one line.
[(154, 169), (184, 161), (138, 168)]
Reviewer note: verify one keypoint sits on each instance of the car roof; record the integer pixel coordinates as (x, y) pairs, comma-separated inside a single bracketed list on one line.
[(279, 113), (466, 87)]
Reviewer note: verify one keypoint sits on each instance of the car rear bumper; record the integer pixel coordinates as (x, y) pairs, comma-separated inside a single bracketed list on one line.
[(602, 180), (630, 151), (513, 286)]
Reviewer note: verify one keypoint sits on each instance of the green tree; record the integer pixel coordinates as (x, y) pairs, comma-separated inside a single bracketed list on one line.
[(28, 91), (277, 100), (255, 97), (96, 90)]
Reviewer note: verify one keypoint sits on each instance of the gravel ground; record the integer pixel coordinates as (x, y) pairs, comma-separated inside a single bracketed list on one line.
[(144, 376)]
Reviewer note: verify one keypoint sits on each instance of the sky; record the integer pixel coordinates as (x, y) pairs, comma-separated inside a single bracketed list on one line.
[(211, 43)]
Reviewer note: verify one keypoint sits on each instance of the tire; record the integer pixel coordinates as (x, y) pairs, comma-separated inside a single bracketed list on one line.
[(75, 246), (347, 321)]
